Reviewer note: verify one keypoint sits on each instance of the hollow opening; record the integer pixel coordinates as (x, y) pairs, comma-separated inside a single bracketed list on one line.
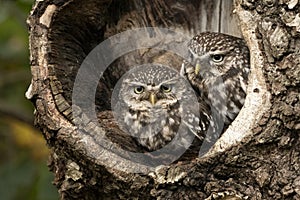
[(82, 25)]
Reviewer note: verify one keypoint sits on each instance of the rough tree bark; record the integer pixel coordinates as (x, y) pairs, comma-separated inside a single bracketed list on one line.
[(258, 157)]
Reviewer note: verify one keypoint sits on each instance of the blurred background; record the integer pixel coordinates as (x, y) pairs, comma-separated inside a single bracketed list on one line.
[(23, 151)]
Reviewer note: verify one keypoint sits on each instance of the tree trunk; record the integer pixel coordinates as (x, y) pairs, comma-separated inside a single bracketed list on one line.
[(258, 157)]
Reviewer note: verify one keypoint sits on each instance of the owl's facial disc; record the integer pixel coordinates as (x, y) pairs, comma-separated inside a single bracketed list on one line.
[(207, 63), (155, 95), (141, 90)]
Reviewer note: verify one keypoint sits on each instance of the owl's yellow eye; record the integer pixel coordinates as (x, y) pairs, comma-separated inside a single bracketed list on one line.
[(217, 58), (166, 88), (139, 89)]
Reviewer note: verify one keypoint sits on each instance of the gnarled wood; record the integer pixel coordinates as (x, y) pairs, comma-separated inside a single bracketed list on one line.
[(257, 158)]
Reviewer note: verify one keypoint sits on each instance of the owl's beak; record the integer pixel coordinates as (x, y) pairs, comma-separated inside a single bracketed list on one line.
[(152, 98), (197, 68)]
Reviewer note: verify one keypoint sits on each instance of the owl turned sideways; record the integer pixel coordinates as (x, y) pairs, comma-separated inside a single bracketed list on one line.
[(218, 70), (155, 104)]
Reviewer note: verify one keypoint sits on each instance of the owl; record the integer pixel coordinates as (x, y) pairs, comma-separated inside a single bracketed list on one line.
[(218, 71), (155, 105)]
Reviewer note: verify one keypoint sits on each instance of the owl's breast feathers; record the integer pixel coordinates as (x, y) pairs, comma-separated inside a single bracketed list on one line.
[(155, 126)]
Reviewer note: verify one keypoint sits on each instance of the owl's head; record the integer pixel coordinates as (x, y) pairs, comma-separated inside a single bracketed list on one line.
[(214, 54), (151, 86)]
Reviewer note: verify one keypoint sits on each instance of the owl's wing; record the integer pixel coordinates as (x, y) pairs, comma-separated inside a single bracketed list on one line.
[(207, 125), (197, 118)]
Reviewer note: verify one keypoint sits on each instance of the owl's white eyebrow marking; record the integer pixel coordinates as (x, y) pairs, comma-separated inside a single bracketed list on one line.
[(133, 83), (218, 52), (150, 87), (199, 55), (170, 81)]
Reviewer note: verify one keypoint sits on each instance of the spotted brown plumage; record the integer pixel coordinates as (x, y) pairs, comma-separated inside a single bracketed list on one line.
[(155, 105), (218, 70)]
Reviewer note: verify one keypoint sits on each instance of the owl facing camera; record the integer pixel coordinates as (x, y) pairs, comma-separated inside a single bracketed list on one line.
[(154, 104)]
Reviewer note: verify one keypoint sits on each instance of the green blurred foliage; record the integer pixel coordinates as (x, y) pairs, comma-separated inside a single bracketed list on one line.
[(23, 152)]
